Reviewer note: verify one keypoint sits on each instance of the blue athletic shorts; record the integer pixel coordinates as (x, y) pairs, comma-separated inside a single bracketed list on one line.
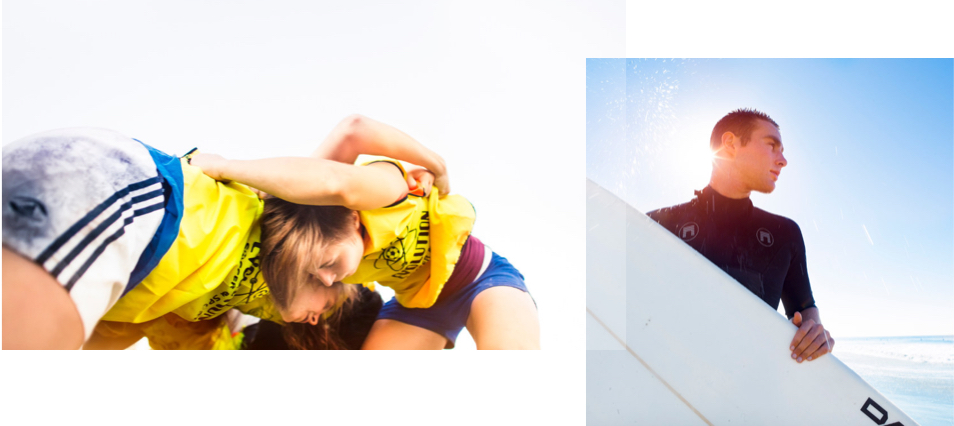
[(448, 316)]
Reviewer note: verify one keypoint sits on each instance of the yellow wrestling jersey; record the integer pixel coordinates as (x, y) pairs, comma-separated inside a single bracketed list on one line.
[(172, 332), (413, 245), (213, 264)]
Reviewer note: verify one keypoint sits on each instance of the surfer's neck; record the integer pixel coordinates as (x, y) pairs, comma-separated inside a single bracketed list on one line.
[(729, 188)]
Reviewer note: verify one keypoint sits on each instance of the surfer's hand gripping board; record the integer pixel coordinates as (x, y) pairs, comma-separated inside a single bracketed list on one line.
[(811, 340)]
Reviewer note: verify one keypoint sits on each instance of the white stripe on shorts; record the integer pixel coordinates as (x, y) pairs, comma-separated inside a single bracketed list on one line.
[(488, 253), (84, 204), (74, 257)]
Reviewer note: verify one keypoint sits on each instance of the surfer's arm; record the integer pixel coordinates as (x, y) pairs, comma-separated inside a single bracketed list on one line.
[(312, 181), (811, 341), (356, 135)]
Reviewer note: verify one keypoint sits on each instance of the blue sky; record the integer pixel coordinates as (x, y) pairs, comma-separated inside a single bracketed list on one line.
[(870, 179)]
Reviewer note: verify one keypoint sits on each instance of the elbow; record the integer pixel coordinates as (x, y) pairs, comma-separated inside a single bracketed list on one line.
[(358, 202), (351, 135), (344, 193), (352, 126), (349, 199)]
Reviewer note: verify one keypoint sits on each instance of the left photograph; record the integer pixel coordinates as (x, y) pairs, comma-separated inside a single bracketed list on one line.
[(203, 252), (302, 176)]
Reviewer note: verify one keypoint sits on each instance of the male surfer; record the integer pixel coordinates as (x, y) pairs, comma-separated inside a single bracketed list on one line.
[(763, 251)]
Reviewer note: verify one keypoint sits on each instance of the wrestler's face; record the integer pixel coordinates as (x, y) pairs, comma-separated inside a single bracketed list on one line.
[(332, 263), (760, 161), (339, 259), (309, 303)]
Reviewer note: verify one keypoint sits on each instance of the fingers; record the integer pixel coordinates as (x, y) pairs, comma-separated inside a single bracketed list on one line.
[(804, 337), (420, 179), (413, 184), (210, 164), (427, 180), (800, 333), (443, 185), (261, 194), (811, 340), (822, 345), (818, 344)]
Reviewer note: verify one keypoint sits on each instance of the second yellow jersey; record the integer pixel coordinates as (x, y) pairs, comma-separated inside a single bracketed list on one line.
[(413, 245)]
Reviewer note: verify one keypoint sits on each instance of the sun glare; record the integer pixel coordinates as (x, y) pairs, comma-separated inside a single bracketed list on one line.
[(692, 159)]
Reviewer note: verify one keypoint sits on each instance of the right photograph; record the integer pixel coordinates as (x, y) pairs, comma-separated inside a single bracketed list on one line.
[(770, 241)]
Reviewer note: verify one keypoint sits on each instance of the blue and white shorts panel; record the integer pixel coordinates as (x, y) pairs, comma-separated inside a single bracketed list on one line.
[(84, 204)]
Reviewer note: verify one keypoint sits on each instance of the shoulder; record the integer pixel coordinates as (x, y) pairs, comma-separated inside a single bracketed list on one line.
[(666, 215), (779, 222)]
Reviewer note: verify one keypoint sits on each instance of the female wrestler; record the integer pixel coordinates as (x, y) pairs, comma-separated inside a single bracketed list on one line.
[(419, 244), (100, 228)]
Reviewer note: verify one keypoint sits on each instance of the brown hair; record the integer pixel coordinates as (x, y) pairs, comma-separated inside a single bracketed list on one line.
[(741, 122), (347, 329), (324, 335), (291, 234)]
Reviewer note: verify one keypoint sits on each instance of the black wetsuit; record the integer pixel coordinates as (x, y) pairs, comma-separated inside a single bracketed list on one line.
[(763, 251)]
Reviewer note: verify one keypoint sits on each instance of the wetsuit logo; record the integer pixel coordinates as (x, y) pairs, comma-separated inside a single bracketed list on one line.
[(689, 231), (765, 237)]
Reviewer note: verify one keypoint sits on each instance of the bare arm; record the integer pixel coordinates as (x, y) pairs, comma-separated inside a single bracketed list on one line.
[(356, 135), (312, 181)]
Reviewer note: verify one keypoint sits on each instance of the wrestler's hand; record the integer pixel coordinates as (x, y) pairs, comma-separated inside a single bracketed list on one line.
[(442, 183), (811, 340), (419, 177), (261, 194), (211, 165)]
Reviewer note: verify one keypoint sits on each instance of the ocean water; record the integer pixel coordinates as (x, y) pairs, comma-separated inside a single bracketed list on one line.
[(916, 373)]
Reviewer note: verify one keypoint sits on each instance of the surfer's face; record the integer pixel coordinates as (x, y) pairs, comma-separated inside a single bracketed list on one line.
[(760, 161)]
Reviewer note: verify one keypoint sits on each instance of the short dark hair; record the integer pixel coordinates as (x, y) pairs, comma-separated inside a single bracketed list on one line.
[(741, 122)]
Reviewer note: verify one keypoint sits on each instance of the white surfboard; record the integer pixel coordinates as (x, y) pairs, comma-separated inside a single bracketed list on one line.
[(674, 340)]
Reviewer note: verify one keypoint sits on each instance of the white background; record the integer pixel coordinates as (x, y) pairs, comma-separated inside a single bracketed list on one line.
[(496, 88)]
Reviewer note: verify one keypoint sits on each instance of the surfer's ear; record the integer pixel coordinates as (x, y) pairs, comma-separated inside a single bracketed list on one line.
[(729, 144)]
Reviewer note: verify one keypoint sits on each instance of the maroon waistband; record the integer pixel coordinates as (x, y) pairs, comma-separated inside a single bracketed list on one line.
[(468, 265)]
